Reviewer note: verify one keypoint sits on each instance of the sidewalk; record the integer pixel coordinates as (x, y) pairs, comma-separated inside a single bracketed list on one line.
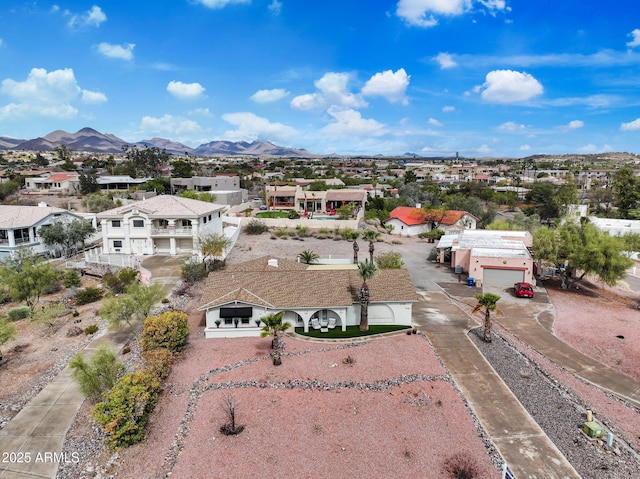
[(520, 441)]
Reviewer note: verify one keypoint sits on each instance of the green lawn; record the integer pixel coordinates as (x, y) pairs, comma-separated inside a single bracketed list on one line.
[(351, 332), (273, 214)]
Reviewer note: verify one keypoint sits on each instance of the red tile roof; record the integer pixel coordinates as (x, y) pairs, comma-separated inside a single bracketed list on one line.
[(418, 216)]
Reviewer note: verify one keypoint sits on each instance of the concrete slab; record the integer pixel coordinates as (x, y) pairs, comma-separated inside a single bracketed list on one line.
[(27, 421)]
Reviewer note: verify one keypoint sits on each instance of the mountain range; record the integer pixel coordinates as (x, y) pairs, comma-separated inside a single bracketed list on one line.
[(90, 140)]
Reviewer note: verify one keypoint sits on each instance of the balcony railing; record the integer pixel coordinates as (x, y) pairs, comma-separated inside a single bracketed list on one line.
[(165, 231)]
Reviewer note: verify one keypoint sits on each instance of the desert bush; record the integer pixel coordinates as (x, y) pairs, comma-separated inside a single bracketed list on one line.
[(302, 230), (125, 411), (324, 231), (89, 295), (48, 313), (74, 331), (389, 260), (91, 329), (281, 232), (194, 271), (461, 466), (229, 406), (168, 330), (158, 362), (97, 375), (256, 227), (71, 279), (18, 313), (118, 282), (349, 234), (7, 332), (293, 215)]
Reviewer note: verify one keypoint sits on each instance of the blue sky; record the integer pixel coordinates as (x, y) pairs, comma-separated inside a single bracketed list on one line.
[(432, 77)]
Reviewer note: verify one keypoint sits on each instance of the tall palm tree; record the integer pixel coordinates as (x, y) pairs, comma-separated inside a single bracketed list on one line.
[(273, 325), (488, 302), (308, 257), (371, 236), (213, 246), (366, 271)]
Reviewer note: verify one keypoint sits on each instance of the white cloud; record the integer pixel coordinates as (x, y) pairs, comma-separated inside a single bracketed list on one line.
[(508, 86), (350, 123), (275, 7), (216, 4), (448, 109), (575, 124), (635, 38), (185, 91), (484, 149), (445, 60), (120, 52), (332, 91), (91, 18), (423, 13), (93, 97), (169, 126), (434, 122), (1, 42), (389, 85), (525, 148), (200, 112), (590, 148), (631, 126), (251, 127), (269, 96), (47, 94), (511, 127)]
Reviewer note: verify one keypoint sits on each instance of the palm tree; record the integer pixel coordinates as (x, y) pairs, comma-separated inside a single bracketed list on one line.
[(488, 302), (273, 325), (308, 257), (366, 271), (371, 236), (213, 245)]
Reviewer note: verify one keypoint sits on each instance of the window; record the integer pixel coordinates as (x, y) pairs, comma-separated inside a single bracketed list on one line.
[(117, 243), (138, 223), (115, 223)]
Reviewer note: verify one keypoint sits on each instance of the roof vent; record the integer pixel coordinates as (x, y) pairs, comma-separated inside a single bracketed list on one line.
[(42, 204), (273, 262)]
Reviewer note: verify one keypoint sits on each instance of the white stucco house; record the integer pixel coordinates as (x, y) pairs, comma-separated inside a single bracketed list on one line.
[(408, 221), (19, 227), (310, 296), (162, 224)]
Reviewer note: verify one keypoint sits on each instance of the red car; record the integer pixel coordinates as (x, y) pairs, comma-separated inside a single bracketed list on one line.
[(523, 290)]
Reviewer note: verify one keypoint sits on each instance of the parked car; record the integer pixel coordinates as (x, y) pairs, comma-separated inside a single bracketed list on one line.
[(523, 290)]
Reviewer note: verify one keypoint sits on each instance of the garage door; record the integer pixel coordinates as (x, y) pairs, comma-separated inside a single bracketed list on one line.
[(502, 277), (380, 314)]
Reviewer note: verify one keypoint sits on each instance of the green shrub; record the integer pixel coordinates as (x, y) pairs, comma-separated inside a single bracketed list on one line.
[(324, 231), (89, 295), (48, 313), (194, 271), (293, 215), (281, 231), (389, 260), (349, 234), (99, 374), (91, 329), (168, 330), (118, 282), (18, 313), (302, 230), (256, 227), (125, 412), (158, 362), (71, 279)]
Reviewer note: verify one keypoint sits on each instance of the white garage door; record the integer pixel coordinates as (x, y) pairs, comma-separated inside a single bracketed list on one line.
[(380, 314), (502, 277)]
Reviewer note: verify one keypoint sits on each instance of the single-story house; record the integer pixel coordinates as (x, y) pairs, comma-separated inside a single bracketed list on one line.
[(54, 183), (162, 224), (408, 221), (490, 257), (19, 227), (309, 295)]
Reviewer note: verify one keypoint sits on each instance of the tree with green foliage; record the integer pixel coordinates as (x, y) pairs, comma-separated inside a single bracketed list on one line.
[(27, 276), (273, 326), (366, 271), (582, 250), (8, 188), (7, 333), (98, 202), (135, 304), (371, 236), (67, 235), (181, 169), (308, 257), (88, 183), (520, 222), (99, 374), (389, 260), (213, 247), (345, 212), (626, 190), (145, 162), (488, 302), (160, 185), (64, 156), (542, 195)]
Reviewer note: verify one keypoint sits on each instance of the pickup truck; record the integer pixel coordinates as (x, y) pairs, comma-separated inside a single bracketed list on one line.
[(523, 290)]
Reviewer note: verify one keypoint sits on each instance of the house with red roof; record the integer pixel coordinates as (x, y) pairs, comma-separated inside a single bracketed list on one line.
[(53, 183), (408, 221)]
